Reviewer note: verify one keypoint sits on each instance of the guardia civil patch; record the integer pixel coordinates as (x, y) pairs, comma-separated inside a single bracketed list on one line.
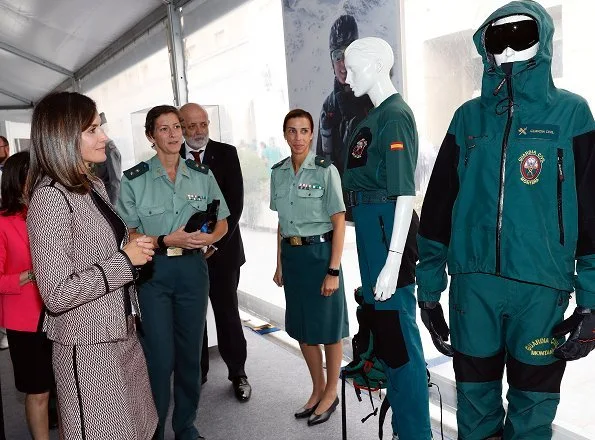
[(545, 132), (531, 164), (358, 150)]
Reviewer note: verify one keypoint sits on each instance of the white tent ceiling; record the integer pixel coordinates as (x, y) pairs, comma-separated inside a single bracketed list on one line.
[(44, 43)]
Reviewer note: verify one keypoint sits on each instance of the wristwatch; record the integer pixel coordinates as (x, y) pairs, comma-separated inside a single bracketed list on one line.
[(30, 276), (333, 272), (161, 242)]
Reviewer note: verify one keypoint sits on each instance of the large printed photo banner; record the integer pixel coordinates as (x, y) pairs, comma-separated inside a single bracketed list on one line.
[(316, 35)]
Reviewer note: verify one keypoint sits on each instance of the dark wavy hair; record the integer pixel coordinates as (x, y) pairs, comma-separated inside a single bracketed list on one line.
[(58, 122), (14, 177), (298, 113), (154, 113)]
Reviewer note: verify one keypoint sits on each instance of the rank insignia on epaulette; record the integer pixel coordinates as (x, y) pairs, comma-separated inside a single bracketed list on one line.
[(278, 164), (137, 170), (323, 162), (196, 166)]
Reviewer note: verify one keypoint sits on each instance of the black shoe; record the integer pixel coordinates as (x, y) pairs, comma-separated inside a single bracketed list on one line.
[(241, 388), (317, 419), (304, 412)]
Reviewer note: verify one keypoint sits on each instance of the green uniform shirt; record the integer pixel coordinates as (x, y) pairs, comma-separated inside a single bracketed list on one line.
[(150, 202), (382, 152), (305, 201)]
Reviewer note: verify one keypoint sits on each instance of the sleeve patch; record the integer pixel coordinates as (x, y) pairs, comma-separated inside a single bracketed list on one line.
[(395, 146)]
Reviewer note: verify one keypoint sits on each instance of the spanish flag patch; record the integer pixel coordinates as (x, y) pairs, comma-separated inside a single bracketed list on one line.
[(397, 146)]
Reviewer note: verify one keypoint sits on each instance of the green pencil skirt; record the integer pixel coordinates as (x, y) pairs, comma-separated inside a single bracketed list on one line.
[(310, 317)]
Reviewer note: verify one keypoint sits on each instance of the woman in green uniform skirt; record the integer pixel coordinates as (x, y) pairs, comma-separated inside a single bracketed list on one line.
[(306, 192)]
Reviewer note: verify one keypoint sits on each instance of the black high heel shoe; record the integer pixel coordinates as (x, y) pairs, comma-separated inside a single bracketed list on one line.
[(304, 413), (317, 419)]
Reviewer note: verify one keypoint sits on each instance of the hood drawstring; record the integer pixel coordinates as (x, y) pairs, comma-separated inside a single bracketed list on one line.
[(501, 107)]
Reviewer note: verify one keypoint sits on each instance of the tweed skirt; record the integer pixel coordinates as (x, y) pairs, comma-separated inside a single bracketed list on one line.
[(310, 317), (104, 391)]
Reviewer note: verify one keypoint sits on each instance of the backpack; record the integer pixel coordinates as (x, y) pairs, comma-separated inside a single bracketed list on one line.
[(365, 370)]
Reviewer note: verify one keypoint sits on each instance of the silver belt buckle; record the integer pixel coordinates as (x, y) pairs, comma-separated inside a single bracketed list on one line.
[(295, 241), (174, 251)]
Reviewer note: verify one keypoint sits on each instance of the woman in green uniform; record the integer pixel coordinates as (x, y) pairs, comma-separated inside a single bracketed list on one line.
[(157, 198), (306, 192)]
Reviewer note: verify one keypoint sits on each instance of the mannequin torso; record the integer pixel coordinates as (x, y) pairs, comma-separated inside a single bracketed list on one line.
[(368, 62)]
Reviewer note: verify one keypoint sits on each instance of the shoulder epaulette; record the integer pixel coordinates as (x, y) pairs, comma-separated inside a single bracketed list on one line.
[(278, 164), (322, 161), (198, 167), (137, 170)]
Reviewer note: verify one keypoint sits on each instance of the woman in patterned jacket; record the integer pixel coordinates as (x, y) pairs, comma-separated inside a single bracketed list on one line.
[(84, 267)]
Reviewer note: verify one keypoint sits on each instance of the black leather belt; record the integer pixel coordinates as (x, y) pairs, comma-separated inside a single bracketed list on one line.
[(354, 198), (176, 251), (313, 239)]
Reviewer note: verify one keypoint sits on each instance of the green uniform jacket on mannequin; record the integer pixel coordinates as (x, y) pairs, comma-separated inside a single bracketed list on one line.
[(525, 151)]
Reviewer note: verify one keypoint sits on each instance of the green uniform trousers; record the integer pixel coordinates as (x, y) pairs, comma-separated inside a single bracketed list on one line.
[(396, 335), (173, 302), (497, 322)]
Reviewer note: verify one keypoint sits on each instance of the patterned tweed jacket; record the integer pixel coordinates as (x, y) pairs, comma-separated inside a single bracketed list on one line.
[(81, 272)]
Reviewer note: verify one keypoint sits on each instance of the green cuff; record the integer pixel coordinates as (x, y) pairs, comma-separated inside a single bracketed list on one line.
[(586, 299), (428, 296)]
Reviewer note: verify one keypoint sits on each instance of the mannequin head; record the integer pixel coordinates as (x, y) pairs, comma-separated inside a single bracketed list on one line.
[(343, 32), (512, 38), (368, 62)]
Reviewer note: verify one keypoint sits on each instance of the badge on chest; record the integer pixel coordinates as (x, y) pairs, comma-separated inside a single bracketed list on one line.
[(358, 150)]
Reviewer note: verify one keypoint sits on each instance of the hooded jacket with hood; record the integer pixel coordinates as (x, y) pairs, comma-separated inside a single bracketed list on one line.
[(512, 192)]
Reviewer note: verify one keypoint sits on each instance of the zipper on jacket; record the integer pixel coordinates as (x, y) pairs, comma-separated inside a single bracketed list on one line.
[(384, 240), (560, 180), (508, 80)]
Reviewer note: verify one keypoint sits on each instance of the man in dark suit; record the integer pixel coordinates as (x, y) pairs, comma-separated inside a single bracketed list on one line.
[(224, 264)]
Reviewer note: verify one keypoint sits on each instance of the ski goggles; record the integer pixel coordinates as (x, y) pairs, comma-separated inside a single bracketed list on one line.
[(338, 54), (519, 35)]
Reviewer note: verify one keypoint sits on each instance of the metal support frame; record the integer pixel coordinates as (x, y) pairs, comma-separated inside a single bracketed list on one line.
[(151, 20), (35, 59), (15, 96), (177, 61), (16, 107)]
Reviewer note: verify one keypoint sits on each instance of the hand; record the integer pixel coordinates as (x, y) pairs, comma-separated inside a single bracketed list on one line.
[(187, 240), (386, 285), (433, 318), (25, 278), (329, 285), (278, 277), (581, 325), (140, 250)]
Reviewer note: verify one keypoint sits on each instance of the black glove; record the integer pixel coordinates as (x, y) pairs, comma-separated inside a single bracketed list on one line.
[(433, 318), (581, 325)]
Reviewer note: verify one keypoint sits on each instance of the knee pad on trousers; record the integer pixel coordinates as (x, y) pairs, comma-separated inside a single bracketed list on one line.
[(388, 338), (478, 369), (535, 378)]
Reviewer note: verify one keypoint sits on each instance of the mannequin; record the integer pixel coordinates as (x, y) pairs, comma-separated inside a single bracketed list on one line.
[(379, 183), (377, 85), (521, 147)]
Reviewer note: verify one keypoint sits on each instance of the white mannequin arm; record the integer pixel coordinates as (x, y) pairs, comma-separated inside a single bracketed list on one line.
[(387, 279)]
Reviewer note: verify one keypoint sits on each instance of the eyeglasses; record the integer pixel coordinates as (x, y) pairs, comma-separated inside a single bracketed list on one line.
[(519, 35), (338, 55)]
